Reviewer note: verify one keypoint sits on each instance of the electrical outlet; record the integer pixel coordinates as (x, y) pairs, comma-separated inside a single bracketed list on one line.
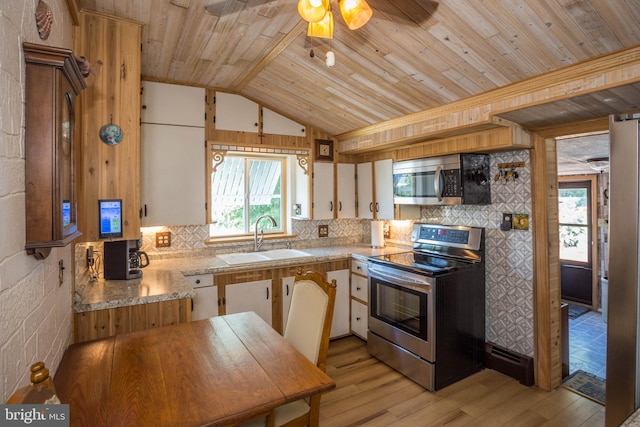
[(323, 231), (163, 239), (521, 221), (90, 259)]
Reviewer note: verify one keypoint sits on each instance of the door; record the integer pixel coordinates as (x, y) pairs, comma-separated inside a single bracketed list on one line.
[(576, 220), (323, 180), (346, 187), (365, 190)]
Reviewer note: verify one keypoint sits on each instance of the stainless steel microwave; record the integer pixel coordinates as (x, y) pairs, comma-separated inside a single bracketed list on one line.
[(457, 179)]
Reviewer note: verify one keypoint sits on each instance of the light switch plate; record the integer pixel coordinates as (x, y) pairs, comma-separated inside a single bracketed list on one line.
[(520, 221), (507, 222), (323, 231)]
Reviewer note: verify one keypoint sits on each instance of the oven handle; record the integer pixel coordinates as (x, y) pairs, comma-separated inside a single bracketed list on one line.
[(403, 281)]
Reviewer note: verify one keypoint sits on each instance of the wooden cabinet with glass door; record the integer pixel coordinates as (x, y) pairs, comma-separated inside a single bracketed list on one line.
[(53, 81)]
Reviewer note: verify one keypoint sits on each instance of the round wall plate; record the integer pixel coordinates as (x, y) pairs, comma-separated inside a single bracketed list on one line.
[(111, 134)]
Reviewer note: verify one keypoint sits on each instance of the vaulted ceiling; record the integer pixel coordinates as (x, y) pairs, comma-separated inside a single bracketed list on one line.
[(413, 55)]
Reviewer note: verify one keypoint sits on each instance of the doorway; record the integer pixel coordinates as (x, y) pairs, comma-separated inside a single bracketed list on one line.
[(581, 210)]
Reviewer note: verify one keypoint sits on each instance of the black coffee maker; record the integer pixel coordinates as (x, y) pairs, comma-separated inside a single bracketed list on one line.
[(123, 260)]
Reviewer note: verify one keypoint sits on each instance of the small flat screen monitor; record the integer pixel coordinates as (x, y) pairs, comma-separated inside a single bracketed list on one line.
[(110, 224), (66, 213)]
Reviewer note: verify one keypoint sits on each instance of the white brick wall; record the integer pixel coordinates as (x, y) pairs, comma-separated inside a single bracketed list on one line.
[(35, 311)]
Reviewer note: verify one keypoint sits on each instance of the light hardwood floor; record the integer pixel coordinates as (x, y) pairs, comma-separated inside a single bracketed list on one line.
[(369, 393)]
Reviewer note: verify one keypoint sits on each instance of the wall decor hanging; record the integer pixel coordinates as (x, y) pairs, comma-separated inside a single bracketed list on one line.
[(44, 19), (111, 134)]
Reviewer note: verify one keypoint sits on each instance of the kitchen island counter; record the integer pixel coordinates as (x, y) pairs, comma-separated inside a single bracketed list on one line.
[(164, 279)]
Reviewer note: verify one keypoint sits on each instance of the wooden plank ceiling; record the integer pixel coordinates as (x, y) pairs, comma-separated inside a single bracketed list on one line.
[(413, 55)]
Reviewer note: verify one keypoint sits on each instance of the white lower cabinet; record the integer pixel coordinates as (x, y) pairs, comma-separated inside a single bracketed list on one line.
[(287, 290), (359, 297), (359, 319), (340, 324), (205, 302), (250, 296)]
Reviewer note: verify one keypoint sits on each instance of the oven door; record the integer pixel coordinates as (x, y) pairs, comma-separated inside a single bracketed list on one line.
[(401, 309)]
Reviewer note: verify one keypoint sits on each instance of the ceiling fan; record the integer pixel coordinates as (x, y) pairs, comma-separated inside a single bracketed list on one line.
[(405, 12)]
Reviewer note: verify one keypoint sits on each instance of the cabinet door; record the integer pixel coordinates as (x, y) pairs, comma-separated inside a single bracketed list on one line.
[(250, 296), (205, 303), (359, 319), (346, 190), (170, 104), (323, 206), (383, 170), (277, 124), (365, 190), (237, 113), (172, 184), (340, 323), (287, 291)]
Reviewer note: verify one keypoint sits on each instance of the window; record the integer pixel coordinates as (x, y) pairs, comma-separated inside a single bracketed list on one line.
[(244, 187), (574, 199)]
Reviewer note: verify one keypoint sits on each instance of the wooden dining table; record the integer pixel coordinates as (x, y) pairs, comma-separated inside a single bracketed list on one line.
[(218, 371)]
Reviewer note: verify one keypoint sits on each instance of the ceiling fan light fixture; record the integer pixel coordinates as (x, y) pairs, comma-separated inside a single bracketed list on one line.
[(323, 28), (355, 13), (313, 10)]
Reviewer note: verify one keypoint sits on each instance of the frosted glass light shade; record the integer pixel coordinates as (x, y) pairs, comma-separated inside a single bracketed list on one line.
[(323, 29), (311, 13), (355, 13)]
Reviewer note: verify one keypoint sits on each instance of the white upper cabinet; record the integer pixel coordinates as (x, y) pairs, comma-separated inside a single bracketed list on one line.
[(172, 188), (346, 190), (383, 178), (365, 190), (171, 104), (323, 205), (277, 124), (236, 113)]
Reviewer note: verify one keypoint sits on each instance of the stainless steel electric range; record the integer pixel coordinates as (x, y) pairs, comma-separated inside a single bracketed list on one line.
[(427, 306)]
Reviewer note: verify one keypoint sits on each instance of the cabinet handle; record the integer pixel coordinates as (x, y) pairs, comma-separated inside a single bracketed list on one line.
[(358, 267), (197, 281), (339, 206), (331, 206), (144, 107), (267, 293), (377, 207), (219, 302), (224, 301), (287, 287), (357, 319), (358, 288), (145, 210), (371, 207)]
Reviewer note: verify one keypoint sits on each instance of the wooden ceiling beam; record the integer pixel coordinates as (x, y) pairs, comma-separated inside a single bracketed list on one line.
[(613, 70)]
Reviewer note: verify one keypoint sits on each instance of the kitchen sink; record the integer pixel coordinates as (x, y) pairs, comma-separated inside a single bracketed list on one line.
[(249, 257), (284, 254)]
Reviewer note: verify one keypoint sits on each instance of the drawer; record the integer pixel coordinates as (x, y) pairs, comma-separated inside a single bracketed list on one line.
[(359, 288), (359, 267), (359, 319), (200, 280)]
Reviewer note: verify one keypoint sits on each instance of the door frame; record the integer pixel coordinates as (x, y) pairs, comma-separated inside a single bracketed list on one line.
[(593, 179), (546, 291)]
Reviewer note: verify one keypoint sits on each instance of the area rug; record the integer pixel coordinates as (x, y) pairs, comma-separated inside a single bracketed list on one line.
[(576, 311), (587, 384)]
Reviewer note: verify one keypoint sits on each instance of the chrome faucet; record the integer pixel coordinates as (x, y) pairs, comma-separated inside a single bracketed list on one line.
[(258, 242)]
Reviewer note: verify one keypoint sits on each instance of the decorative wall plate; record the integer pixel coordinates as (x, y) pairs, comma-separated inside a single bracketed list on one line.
[(111, 134)]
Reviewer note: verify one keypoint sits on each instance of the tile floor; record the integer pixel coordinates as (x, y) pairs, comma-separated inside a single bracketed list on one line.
[(588, 344)]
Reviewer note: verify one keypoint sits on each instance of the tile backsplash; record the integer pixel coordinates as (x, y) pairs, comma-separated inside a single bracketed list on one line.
[(509, 254)]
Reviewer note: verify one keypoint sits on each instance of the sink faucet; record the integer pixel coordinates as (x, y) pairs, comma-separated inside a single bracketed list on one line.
[(257, 242)]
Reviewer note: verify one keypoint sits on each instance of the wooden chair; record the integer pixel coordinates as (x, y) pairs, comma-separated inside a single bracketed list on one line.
[(308, 329)]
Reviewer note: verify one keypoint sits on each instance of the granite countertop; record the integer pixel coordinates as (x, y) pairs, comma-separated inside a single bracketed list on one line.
[(164, 279)]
